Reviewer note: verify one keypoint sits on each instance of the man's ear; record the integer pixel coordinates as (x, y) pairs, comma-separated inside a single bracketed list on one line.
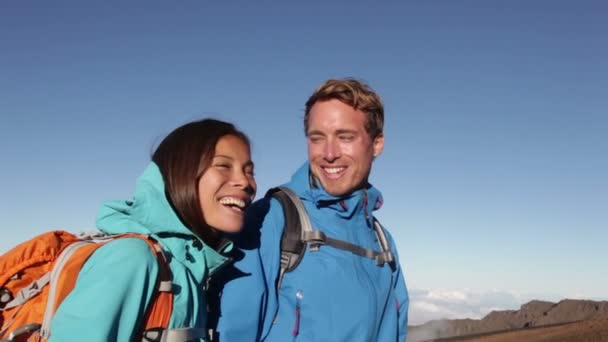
[(378, 145)]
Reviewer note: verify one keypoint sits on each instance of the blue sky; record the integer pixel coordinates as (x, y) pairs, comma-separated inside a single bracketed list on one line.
[(494, 170)]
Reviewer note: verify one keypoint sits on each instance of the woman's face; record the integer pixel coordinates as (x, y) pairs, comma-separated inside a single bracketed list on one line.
[(227, 187)]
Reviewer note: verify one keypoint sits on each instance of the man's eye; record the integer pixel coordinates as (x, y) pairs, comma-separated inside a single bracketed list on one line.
[(347, 137), (315, 139)]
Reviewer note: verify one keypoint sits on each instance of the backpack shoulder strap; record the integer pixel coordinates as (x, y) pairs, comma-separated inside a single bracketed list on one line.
[(387, 255), (65, 273), (158, 313), (155, 326), (298, 234), (296, 223)]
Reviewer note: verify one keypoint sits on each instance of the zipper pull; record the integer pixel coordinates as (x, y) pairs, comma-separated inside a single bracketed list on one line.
[(296, 328)]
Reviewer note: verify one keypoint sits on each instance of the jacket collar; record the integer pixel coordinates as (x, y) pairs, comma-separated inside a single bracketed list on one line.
[(150, 213), (364, 200)]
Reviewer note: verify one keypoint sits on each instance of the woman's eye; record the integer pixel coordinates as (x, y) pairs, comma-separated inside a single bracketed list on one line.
[(222, 166)]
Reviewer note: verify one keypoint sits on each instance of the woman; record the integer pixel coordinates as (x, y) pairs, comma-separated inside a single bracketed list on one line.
[(199, 183)]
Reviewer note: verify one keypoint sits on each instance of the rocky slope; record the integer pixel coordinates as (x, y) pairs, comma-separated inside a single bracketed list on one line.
[(531, 315)]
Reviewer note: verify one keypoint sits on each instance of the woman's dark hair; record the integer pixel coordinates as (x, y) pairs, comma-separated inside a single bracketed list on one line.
[(182, 157)]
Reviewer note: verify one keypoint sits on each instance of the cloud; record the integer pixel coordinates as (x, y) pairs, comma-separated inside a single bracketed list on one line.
[(426, 305)]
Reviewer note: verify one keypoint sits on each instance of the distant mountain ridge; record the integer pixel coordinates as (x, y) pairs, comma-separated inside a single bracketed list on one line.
[(532, 314)]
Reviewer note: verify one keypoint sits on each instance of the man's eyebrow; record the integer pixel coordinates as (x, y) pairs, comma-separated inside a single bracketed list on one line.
[(346, 130), (315, 132), (338, 131)]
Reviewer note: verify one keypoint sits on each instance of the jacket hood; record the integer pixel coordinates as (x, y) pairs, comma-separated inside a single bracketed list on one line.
[(150, 213), (367, 199)]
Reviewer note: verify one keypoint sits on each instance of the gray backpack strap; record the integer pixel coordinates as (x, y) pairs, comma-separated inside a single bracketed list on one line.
[(386, 255), (318, 238), (54, 278), (26, 293), (296, 224)]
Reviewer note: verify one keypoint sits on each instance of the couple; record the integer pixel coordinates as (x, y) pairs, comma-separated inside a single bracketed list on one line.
[(193, 198)]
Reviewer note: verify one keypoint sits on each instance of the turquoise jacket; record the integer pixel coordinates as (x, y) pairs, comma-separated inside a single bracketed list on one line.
[(116, 284), (333, 295)]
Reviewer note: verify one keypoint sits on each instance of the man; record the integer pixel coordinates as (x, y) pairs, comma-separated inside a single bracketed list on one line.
[(333, 294)]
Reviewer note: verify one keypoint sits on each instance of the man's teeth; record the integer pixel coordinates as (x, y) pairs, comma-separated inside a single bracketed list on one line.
[(233, 201), (333, 170)]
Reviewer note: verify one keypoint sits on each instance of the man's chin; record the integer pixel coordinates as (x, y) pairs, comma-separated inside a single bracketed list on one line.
[(334, 187), (337, 190)]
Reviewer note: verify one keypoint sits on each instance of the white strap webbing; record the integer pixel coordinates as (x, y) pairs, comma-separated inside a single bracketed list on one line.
[(28, 292), (50, 305), (175, 335), (165, 286)]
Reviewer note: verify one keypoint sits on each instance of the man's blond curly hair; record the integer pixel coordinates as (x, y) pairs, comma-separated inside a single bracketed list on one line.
[(354, 93)]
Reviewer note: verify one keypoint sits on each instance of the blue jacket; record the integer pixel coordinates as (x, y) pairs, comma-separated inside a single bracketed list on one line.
[(115, 285), (333, 295)]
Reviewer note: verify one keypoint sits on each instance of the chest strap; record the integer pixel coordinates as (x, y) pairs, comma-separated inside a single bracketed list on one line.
[(317, 238)]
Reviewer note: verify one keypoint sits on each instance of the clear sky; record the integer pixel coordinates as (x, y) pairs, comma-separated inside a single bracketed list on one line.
[(494, 170)]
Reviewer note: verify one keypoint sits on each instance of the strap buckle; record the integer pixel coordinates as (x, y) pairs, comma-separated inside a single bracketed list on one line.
[(386, 257), (314, 239), (24, 329)]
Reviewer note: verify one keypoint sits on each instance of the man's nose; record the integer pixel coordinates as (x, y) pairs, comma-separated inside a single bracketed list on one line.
[(332, 150)]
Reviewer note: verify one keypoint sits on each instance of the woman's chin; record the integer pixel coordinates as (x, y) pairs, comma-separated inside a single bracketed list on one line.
[(229, 227)]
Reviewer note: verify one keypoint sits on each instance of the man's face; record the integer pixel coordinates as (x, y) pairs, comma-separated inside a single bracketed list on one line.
[(340, 150)]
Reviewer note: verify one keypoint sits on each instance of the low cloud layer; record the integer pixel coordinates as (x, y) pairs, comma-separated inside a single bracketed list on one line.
[(426, 305)]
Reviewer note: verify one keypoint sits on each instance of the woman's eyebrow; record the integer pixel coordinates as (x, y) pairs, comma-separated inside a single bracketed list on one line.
[(222, 156), (247, 163)]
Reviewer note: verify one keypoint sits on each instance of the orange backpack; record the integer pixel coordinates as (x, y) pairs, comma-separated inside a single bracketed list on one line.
[(38, 274)]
